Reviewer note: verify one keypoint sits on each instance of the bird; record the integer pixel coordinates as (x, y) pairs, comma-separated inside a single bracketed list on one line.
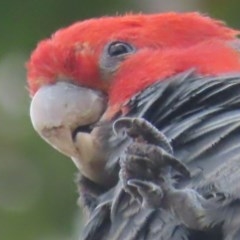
[(147, 107)]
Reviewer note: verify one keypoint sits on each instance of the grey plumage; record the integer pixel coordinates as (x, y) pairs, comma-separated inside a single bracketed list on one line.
[(200, 117)]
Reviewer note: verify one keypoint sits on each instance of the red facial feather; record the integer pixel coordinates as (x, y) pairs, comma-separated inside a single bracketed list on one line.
[(167, 44)]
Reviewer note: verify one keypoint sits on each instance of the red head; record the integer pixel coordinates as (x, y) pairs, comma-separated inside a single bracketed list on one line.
[(167, 43)]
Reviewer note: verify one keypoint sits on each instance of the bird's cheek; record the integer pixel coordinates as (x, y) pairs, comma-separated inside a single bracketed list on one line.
[(61, 114)]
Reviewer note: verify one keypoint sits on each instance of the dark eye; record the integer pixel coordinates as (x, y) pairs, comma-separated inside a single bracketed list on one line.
[(119, 48)]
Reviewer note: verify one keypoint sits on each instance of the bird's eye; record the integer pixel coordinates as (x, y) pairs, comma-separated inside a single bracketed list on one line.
[(114, 53), (119, 48)]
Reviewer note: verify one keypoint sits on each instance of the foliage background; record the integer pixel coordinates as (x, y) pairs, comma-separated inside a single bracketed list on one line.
[(37, 193)]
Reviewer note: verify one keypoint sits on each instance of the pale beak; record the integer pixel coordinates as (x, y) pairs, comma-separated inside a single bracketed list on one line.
[(61, 113)]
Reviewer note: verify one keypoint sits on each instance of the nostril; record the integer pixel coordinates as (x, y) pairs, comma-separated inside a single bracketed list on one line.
[(83, 129)]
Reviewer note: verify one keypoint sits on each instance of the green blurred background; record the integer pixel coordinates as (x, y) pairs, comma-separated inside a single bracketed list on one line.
[(37, 193)]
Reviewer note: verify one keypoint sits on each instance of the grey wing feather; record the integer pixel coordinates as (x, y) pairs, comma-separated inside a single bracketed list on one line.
[(200, 116)]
